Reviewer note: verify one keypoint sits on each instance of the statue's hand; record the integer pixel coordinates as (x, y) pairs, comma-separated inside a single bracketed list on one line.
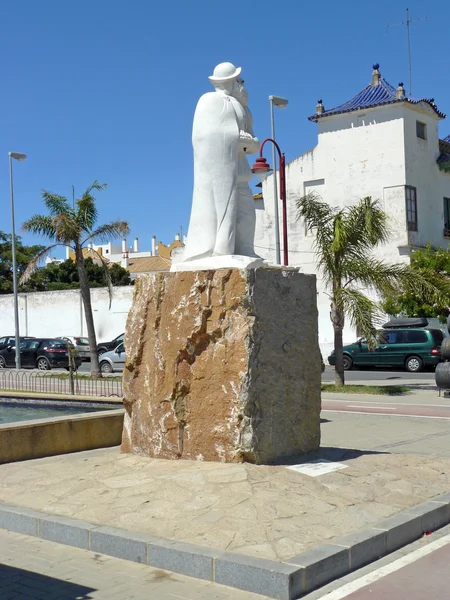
[(248, 143)]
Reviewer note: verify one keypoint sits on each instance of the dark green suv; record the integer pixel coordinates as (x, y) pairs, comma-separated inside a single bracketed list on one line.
[(411, 348)]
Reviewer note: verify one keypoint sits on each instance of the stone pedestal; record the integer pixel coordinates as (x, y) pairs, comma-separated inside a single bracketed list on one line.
[(223, 365)]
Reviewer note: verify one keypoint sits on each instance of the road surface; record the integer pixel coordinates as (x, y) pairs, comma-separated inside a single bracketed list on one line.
[(394, 377)]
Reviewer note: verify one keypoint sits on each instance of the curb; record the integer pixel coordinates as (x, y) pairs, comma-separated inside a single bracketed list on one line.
[(287, 580)]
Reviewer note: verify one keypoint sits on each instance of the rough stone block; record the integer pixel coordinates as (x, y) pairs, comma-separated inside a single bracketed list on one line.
[(323, 564), (364, 547), (73, 532), (121, 544), (434, 515), (20, 520), (187, 559), (260, 576), (222, 365), (401, 529)]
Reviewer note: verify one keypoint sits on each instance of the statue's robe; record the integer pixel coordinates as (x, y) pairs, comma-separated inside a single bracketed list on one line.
[(218, 168)]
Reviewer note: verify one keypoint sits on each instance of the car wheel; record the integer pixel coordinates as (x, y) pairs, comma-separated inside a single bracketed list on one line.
[(101, 351), (414, 364), (348, 363), (43, 364), (105, 367), (2, 363)]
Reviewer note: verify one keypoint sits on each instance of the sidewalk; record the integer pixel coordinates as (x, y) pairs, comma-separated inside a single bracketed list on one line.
[(35, 569), (268, 512)]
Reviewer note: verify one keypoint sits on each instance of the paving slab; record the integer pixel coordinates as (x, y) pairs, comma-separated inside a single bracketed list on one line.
[(267, 512)]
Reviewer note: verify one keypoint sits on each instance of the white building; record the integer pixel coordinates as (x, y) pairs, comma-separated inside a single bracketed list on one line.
[(380, 143)]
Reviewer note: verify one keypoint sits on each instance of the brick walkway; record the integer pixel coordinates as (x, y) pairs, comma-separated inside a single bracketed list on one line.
[(34, 569)]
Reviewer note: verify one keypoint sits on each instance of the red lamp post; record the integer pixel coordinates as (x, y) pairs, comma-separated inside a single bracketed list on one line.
[(261, 169)]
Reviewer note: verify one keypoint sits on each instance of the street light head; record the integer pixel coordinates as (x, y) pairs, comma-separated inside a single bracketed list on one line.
[(17, 156), (278, 101), (261, 169)]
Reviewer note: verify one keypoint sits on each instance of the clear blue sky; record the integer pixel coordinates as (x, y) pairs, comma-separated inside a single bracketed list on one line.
[(106, 89)]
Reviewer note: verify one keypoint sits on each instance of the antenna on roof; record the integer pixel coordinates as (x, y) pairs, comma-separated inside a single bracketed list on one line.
[(408, 23)]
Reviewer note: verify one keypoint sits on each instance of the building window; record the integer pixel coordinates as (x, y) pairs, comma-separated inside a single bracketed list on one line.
[(421, 130), (411, 207), (446, 217)]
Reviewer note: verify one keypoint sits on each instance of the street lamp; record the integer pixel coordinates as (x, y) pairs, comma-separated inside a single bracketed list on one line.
[(261, 169), (17, 156), (279, 102)]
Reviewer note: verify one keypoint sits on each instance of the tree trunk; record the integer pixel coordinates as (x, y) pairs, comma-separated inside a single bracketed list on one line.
[(86, 297), (337, 318)]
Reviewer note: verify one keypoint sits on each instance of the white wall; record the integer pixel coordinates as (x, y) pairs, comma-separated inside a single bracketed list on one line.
[(54, 314), (373, 152)]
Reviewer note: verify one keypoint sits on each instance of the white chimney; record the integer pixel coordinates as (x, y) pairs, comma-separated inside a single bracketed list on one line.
[(154, 245), (136, 245), (124, 245), (125, 261), (177, 237)]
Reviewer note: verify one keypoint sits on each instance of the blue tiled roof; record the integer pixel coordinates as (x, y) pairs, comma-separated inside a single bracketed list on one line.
[(374, 95)]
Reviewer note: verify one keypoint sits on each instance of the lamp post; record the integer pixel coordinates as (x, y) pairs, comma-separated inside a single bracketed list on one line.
[(17, 156), (279, 102), (261, 169)]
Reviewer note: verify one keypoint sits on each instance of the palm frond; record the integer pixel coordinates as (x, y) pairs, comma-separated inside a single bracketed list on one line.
[(87, 212), (363, 313), (109, 231), (67, 228), (374, 274), (367, 224), (56, 204), (40, 225), (33, 264)]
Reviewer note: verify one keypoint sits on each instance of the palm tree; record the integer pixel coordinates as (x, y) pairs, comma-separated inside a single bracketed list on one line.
[(345, 240), (74, 226)]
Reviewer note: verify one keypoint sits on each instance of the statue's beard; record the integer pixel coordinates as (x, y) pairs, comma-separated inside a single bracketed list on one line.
[(241, 96)]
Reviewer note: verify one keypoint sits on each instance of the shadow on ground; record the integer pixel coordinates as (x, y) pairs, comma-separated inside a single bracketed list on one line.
[(327, 453), (20, 584)]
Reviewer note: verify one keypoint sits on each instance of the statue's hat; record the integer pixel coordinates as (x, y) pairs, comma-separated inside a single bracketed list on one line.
[(225, 72)]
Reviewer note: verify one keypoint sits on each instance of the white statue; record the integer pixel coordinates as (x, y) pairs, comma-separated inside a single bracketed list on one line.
[(222, 226)]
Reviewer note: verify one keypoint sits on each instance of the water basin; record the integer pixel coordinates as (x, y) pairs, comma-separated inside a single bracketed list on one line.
[(13, 410)]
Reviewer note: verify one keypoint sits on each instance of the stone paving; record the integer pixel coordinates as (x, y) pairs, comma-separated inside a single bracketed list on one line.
[(35, 569), (264, 511)]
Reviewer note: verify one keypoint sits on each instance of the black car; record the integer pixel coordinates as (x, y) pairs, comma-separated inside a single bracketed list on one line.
[(40, 353), (10, 340), (106, 346)]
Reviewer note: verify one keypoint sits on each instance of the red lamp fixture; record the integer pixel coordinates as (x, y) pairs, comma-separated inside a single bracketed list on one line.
[(261, 169)]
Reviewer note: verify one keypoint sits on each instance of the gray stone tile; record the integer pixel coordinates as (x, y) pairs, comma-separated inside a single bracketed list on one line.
[(364, 546), (277, 580), (401, 529), (119, 543), (179, 557), (323, 564), (72, 532), (434, 515), (20, 520)]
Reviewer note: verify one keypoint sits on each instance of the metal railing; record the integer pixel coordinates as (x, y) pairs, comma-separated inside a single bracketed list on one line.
[(60, 383)]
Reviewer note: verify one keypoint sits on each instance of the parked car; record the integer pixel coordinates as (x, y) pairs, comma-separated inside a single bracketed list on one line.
[(105, 346), (40, 353), (9, 340), (413, 348), (80, 343), (114, 360)]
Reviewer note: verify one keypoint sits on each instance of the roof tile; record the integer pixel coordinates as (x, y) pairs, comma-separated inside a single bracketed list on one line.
[(147, 264), (375, 95)]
